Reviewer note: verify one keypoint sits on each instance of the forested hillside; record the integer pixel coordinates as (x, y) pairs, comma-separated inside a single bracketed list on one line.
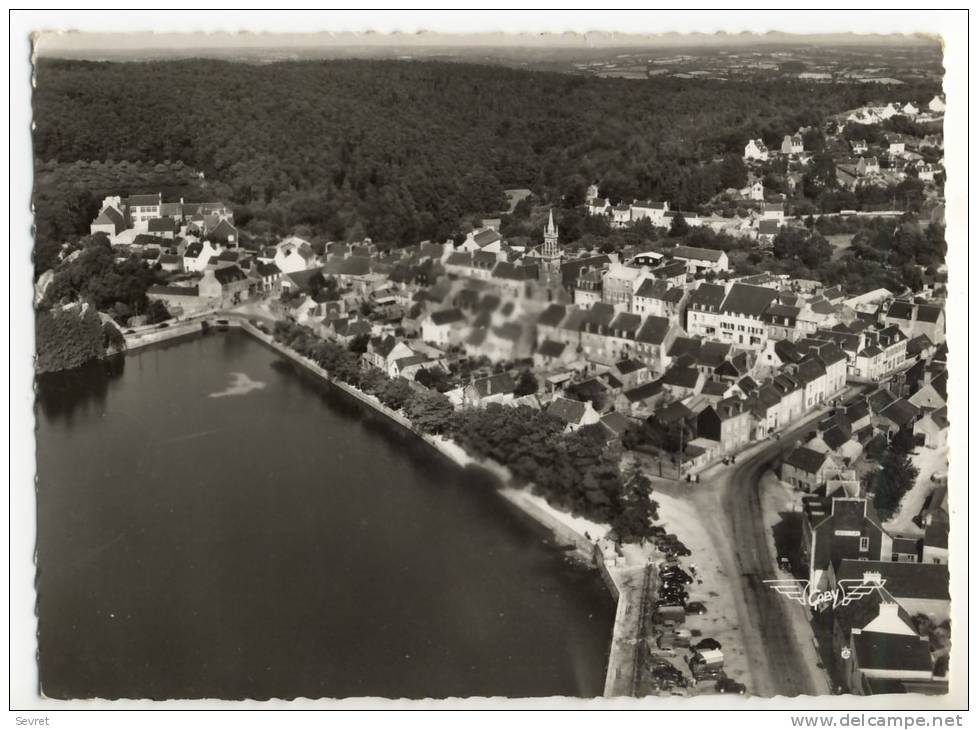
[(401, 151)]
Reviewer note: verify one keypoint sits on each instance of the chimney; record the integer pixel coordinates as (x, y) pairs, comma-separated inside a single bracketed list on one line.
[(889, 610), (874, 577)]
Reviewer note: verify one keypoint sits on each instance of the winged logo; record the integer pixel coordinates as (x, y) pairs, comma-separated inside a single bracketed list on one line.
[(794, 588), (846, 591)]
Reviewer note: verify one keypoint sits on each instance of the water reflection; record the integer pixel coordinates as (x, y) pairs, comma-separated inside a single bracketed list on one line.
[(60, 395), (289, 543)]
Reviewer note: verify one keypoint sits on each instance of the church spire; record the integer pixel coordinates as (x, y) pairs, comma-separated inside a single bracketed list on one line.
[(551, 246)]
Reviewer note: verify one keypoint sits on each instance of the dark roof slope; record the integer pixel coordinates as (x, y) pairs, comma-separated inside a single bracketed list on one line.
[(806, 459), (748, 300)]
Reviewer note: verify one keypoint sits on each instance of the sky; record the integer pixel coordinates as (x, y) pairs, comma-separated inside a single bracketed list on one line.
[(54, 42)]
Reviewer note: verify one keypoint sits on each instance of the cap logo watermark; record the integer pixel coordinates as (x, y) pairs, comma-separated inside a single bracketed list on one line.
[(846, 591)]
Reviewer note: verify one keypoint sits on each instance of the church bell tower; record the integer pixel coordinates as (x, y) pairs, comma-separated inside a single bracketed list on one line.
[(550, 255)]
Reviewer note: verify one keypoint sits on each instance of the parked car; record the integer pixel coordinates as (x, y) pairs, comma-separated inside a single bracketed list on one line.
[(675, 548), (708, 645), (672, 586), (675, 597), (705, 674), (162, 326), (696, 607), (674, 572), (726, 685)]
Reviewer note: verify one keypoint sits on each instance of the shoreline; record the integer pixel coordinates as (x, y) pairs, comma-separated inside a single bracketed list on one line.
[(586, 537)]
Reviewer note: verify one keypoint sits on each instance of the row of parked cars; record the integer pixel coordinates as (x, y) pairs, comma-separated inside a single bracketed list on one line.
[(703, 657)]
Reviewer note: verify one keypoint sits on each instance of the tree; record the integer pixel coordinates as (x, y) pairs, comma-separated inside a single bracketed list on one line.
[(527, 384), (68, 337), (430, 412), (156, 312), (894, 478), (679, 226), (820, 174), (433, 378), (733, 172), (112, 338), (789, 242), (394, 393), (359, 344)]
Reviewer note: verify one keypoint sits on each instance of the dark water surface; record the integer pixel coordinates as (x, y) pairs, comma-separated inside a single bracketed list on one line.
[(283, 542)]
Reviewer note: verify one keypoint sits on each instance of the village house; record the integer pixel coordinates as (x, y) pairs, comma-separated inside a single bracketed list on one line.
[(875, 645), (701, 260), (738, 319), (141, 209), (932, 393), (599, 206), (682, 382), (224, 232), (621, 215), (926, 172), (850, 530), (919, 587), (808, 469), (885, 351), (227, 284), (755, 149), (171, 263), (573, 413), (934, 551), (498, 388), (730, 422), (772, 212), (443, 328), (916, 319), (383, 352), (618, 285), (653, 340), (867, 166), (179, 300), (766, 406), (111, 219), (900, 415), (294, 254), (649, 210), (793, 144), (631, 373)]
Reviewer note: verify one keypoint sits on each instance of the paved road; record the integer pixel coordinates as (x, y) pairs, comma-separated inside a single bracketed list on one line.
[(775, 646), (740, 501)]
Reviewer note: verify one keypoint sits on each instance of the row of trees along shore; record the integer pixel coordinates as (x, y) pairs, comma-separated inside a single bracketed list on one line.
[(573, 471)]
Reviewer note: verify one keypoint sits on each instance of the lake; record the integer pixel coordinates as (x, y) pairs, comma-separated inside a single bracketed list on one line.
[(214, 521)]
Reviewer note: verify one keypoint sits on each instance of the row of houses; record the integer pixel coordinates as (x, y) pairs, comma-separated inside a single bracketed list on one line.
[(149, 214)]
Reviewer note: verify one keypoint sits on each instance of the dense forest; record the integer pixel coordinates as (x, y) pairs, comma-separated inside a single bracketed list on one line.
[(393, 150)]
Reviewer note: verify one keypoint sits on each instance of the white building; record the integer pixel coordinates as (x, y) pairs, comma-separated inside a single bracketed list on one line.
[(756, 150), (294, 254), (653, 211)]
